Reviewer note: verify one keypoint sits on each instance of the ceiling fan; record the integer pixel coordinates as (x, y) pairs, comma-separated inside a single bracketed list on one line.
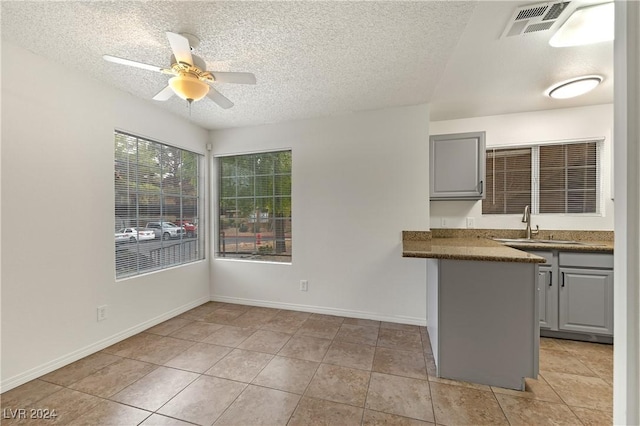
[(191, 80)]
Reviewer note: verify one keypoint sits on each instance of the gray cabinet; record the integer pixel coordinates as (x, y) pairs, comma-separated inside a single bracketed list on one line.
[(586, 300), (456, 166), (575, 293), (482, 321), (586, 293), (547, 309), (548, 291)]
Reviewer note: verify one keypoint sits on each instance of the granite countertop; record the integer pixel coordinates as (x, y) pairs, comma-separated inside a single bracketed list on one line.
[(479, 245), (590, 246), (466, 249)]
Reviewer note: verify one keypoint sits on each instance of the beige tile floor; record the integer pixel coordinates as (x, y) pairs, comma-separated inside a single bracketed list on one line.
[(229, 364)]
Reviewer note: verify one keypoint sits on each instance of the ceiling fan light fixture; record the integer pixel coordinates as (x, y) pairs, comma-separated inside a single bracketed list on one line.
[(587, 25), (189, 87), (574, 87)]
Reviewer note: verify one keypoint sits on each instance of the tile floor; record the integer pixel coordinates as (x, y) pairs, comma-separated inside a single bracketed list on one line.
[(229, 364)]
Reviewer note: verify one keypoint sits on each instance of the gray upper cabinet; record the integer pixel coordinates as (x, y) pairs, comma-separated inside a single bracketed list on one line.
[(456, 166)]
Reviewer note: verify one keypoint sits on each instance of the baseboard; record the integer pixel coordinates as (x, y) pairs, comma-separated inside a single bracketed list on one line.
[(322, 310), (48, 367), (585, 337)]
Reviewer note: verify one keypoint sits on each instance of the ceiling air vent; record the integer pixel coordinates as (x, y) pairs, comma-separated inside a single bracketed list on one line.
[(534, 18)]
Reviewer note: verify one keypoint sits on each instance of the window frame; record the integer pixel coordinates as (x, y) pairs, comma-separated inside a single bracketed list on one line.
[(196, 252), (216, 203), (535, 175), (490, 188)]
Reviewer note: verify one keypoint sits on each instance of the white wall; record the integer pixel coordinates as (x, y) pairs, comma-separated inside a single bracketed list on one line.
[(626, 284), (58, 218), (358, 181), (526, 128)]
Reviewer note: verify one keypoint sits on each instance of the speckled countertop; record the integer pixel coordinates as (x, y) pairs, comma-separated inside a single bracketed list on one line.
[(471, 244), (466, 249), (584, 246)]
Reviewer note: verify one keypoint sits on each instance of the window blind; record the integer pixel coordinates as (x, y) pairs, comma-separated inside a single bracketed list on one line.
[(569, 178), (254, 206), (508, 177), (157, 203), (551, 178)]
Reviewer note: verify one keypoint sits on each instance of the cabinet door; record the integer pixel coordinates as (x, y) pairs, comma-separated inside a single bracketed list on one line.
[(547, 299), (457, 163), (586, 300)]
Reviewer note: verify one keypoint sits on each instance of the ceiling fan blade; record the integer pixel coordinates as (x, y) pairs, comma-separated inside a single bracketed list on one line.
[(234, 77), (180, 46), (164, 94), (219, 98), (131, 63)]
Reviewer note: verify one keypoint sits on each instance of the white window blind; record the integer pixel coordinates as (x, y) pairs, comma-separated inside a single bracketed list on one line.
[(157, 204), (508, 177), (254, 205), (562, 178), (569, 178)]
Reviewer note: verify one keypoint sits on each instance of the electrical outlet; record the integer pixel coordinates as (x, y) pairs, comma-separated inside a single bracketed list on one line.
[(470, 223), (102, 313), (443, 222), (304, 285)]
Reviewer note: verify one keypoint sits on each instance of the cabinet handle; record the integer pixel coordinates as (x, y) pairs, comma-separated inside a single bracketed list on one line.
[(481, 187), (550, 278), (562, 273)]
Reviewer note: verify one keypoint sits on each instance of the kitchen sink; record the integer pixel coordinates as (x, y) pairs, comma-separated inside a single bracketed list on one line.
[(536, 241)]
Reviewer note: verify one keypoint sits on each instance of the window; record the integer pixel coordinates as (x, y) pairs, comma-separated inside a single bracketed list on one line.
[(254, 206), (551, 178), (569, 178), (157, 204), (508, 181)]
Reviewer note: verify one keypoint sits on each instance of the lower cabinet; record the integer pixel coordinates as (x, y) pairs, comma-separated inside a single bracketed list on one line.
[(575, 292), (548, 290), (586, 300), (547, 298)]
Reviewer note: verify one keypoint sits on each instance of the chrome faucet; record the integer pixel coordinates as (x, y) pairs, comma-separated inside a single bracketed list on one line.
[(526, 218)]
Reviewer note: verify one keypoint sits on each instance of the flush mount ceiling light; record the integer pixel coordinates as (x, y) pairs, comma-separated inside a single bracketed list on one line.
[(574, 87), (588, 25)]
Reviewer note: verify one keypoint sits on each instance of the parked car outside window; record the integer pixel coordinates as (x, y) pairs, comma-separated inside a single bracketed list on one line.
[(133, 235), (166, 230), (189, 227)]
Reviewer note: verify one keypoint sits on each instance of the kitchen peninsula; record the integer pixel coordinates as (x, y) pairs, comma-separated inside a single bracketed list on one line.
[(482, 308)]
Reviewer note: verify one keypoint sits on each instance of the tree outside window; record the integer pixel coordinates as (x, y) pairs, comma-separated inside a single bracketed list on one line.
[(254, 206)]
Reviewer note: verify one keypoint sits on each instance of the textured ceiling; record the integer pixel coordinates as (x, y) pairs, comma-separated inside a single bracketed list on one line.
[(315, 58)]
